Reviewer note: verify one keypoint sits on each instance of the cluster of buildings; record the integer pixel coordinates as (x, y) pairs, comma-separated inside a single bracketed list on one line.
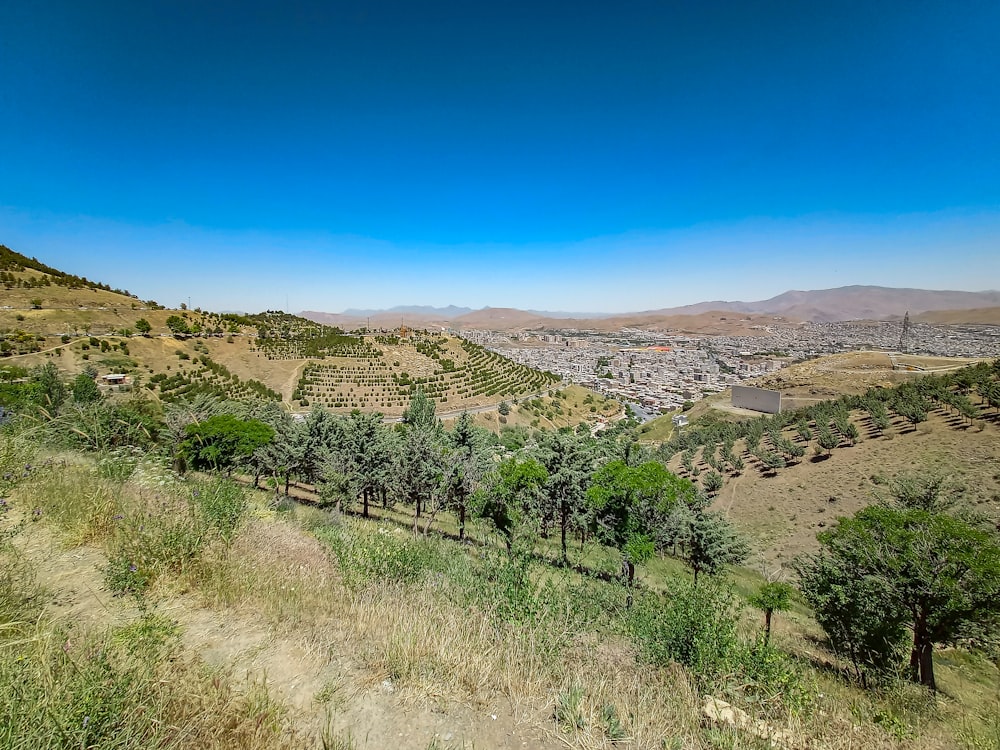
[(662, 370)]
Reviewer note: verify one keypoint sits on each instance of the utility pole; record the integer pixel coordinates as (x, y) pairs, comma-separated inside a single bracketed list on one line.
[(905, 333)]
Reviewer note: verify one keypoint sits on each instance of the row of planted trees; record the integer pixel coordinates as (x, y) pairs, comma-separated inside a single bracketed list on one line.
[(560, 485), (913, 566), (916, 566), (968, 393)]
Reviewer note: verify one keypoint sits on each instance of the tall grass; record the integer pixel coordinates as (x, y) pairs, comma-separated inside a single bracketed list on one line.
[(444, 622)]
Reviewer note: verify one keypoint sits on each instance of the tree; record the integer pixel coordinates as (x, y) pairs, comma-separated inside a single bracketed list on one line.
[(315, 436), (707, 542), (266, 460), (712, 483), (359, 460), (142, 326), (827, 440), (849, 604), (511, 496), (803, 429), (626, 503), (177, 325), (466, 462), (51, 386), (737, 464), (569, 460), (85, 390), (771, 461), (420, 412), (935, 573), (773, 596), (912, 406), (222, 441)]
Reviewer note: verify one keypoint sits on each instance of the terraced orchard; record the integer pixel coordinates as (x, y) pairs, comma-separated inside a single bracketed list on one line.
[(208, 377), (284, 336), (456, 374)]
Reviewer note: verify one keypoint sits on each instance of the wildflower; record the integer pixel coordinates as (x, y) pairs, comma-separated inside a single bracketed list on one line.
[(119, 517), (37, 512), (132, 568)]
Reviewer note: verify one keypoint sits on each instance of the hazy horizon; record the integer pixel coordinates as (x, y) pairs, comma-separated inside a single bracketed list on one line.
[(326, 156)]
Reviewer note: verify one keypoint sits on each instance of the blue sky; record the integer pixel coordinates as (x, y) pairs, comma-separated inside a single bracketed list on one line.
[(560, 156)]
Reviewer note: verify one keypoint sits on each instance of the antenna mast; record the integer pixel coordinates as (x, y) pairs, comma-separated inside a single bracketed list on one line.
[(904, 335)]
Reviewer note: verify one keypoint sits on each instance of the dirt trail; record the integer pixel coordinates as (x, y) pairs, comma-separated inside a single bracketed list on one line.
[(336, 695), (73, 579)]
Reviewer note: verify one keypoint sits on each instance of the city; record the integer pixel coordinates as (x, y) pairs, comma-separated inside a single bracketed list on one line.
[(664, 370)]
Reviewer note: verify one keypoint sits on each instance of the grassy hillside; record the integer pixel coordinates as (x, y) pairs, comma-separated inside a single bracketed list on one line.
[(83, 325), (566, 407), (144, 609), (403, 585), (782, 486)]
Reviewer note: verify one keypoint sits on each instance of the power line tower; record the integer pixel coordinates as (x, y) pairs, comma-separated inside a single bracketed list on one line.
[(904, 335)]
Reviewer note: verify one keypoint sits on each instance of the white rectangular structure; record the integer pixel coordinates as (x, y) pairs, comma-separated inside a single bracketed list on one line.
[(757, 399)]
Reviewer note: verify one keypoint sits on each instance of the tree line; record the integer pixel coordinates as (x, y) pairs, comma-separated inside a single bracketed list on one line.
[(913, 571), (564, 485)]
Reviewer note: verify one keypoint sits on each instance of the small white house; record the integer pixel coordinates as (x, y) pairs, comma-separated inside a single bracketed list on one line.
[(679, 420)]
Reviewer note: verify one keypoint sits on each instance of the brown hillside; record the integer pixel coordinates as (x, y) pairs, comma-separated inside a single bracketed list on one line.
[(989, 316), (500, 319), (784, 513)]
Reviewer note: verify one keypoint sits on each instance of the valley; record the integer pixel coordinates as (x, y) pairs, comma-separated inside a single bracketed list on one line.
[(443, 538)]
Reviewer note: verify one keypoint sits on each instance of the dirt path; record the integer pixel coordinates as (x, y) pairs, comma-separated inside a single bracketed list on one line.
[(325, 693), (291, 381)]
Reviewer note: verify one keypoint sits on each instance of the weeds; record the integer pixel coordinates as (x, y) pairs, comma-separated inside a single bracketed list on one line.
[(388, 555), (568, 712)]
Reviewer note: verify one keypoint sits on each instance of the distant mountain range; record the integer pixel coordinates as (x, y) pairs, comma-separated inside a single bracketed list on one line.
[(436, 312), (820, 305), (849, 303), (451, 312)]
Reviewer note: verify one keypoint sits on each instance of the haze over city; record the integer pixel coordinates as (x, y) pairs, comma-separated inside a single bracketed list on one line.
[(320, 156)]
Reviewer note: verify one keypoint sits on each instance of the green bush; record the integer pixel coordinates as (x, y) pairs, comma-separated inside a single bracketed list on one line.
[(123, 576), (118, 464), (501, 584), (379, 555), (697, 627), (692, 625), (223, 505)]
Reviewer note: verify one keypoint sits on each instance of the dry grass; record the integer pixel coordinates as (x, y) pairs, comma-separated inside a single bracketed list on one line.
[(280, 581)]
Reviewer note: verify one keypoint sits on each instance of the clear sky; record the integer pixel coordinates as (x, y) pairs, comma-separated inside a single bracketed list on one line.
[(578, 155)]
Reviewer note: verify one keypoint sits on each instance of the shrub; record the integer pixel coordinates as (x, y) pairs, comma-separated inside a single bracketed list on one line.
[(692, 625), (380, 555), (223, 505), (123, 576)]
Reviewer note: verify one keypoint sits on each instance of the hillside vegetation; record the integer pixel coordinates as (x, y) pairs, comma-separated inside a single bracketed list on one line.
[(568, 584), (83, 325), (185, 564)]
